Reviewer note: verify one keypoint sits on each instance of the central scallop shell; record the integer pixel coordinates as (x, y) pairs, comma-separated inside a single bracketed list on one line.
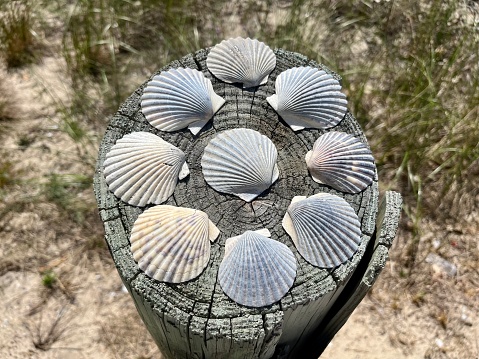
[(324, 228), (241, 60), (172, 244), (241, 162), (256, 271), (308, 98), (180, 98)]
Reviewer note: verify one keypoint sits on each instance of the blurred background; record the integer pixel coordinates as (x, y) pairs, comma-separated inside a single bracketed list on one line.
[(410, 69)]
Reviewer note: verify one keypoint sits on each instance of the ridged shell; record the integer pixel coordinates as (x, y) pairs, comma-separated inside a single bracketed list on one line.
[(256, 271), (172, 244), (324, 228), (141, 168), (307, 97), (241, 60), (180, 98), (341, 161), (241, 162)]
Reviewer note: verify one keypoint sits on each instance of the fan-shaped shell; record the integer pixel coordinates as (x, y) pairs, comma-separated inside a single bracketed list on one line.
[(341, 161), (241, 162), (141, 168), (256, 271), (307, 97), (241, 60), (324, 228), (180, 98), (172, 244)]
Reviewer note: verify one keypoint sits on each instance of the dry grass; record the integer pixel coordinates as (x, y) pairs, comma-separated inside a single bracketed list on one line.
[(45, 334), (17, 36)]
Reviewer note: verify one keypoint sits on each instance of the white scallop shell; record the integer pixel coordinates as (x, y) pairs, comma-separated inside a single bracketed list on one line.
[(324, 228), (241, 162), (241, 60), (256, 271), (142, 168), (307, 97), (180, 98), (172, 244), (341, 161)]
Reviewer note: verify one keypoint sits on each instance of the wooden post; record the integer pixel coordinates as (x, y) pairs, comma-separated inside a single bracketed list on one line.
[(196, 319)]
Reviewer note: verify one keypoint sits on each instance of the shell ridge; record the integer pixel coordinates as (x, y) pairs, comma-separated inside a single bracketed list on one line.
[(298, 82), (130, 151), (123, 181), (171, 86), (223, 170), (173, 96), (327, 107), (256, 278), (269, 273), (314, 250), (340, 164), (180, 249), (339, 172), (176, 107), (300, 91), (240, 162), (165, 159), (176, 98), (308, 97), (327, 229), (153, 190), (201, 82), (239, 66), (188, 256), (241, 60), (133, 185), (335, 251), (173, 93), (348, 187), (245, 274), (357, 154), (185, 75), (341, 161), (170, 125)]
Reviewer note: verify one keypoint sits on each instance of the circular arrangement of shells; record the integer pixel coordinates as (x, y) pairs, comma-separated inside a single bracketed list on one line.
[(172, 244)]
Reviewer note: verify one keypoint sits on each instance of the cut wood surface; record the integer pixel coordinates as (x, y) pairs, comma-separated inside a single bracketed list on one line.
[(196, 319)]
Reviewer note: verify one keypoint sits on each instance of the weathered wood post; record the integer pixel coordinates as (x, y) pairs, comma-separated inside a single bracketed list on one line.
[(196, 319)]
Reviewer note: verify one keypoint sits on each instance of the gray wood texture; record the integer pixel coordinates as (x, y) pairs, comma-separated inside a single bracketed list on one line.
[(196, 319)]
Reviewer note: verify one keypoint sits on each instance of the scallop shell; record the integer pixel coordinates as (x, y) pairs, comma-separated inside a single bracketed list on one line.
[(180, 98), (307, 97), (142, 168), (241, 60), (341, 161), (324, 228), (256, 271), (172, 244), (241, 162)]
